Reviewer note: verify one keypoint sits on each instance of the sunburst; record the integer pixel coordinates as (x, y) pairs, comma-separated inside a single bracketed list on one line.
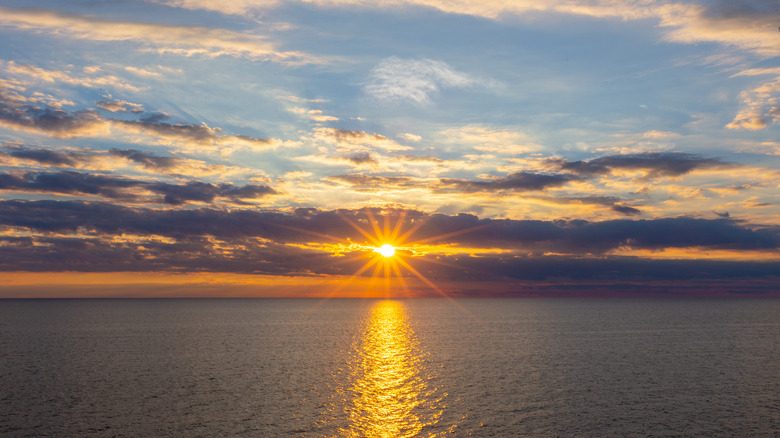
[(388, 248), (391, 246)]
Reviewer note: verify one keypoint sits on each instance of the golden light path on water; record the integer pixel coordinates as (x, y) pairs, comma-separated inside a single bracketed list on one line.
[(389, 393)]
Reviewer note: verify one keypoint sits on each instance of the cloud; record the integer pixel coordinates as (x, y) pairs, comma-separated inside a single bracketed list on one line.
[(749, 26), (491, 139), (68, 183), (119, 106), (49, 157), (361, 158), (31, 73), (181, 40), (626, 210), (356, 141), (760, 107), (520, 181), (50, 121), (413, 80), (373, 181), (76, 183), (576, 236), (656, 163), (147, 160), (62, 124), (315, 115), (97, 236), (20, 157), (410, 137), (178, 194)]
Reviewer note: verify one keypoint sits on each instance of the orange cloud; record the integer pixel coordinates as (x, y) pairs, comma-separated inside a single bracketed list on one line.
[(183, 40)]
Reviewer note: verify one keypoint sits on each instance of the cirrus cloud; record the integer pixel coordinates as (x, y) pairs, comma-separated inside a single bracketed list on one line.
[(414, 81)]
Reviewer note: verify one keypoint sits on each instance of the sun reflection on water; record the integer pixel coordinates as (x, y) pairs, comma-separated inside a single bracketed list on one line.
[(390, 397)]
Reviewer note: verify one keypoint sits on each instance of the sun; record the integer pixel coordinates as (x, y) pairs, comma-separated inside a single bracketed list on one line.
[(386, 250)]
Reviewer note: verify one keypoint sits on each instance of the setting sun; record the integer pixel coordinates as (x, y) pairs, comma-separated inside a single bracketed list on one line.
[(386, 250)]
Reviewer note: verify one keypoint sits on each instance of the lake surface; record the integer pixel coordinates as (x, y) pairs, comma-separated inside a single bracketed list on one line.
[(421, 367)]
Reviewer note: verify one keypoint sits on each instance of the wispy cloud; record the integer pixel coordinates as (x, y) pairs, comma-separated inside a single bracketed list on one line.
[(181, 40), (414, 81)]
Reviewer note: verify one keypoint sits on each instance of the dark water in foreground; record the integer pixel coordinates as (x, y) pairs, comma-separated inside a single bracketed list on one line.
[(426, 367)]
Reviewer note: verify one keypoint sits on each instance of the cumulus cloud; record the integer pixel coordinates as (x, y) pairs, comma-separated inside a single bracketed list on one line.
[(760, 107), (413, 80)]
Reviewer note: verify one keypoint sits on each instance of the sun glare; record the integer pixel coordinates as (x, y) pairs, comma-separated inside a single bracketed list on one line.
[(386, 250), (388, 260)]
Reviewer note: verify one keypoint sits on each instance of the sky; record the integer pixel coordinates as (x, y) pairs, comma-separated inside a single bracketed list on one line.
[(200, 148)]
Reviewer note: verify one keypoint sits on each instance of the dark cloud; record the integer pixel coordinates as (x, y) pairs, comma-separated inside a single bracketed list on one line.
[(118, 188), (147, 160), (576, 237), (626, 210), (521, 181), (177, 194), (49, 121), (361, 158), (49, 157), (68, 183), (195, 133), (251, 241), (154, 117), (656, 163), (59, 123)]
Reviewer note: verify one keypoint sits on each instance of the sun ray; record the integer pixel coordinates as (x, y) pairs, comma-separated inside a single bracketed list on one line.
[(365, 234), (391, 244), (303, 230), (397, 229), (450, 234), (375, 225)]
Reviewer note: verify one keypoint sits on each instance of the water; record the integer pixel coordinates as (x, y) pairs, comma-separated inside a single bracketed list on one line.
[(426, 367)]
